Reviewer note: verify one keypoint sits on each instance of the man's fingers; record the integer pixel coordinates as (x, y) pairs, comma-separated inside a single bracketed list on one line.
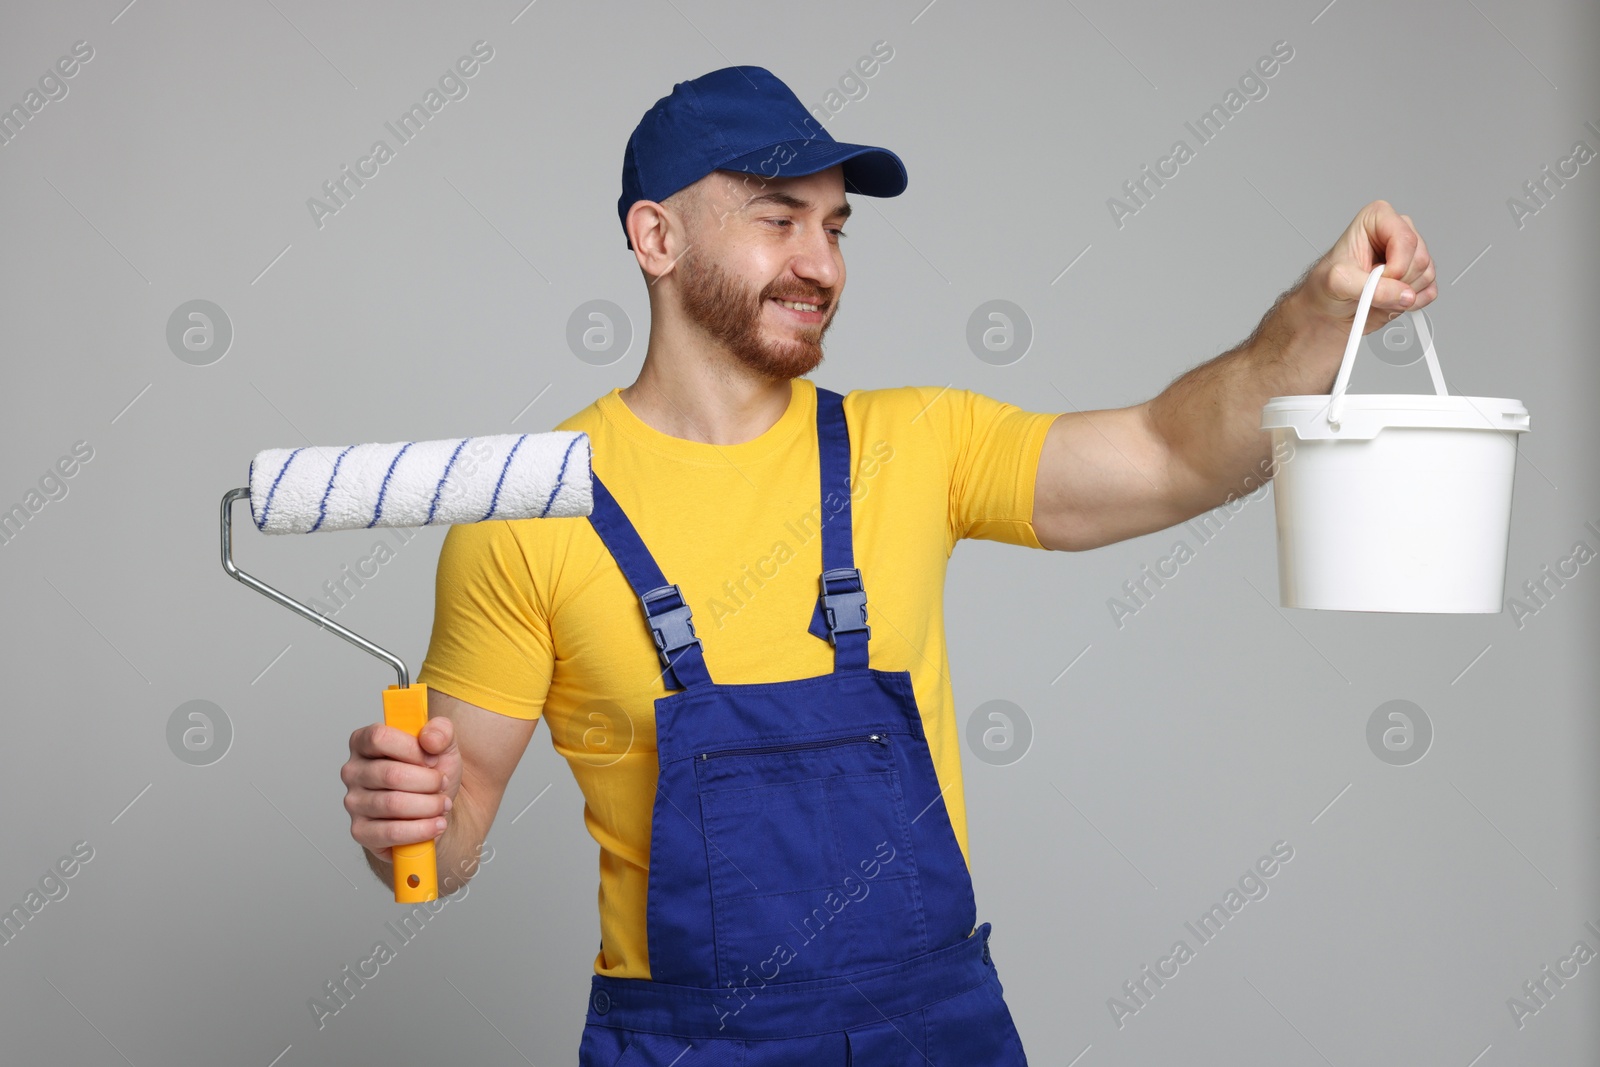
[(437, 736), (397, 787), (1378, 234), (378, 741), (386, 833), (1392, 237), (1391, 294), (387, 804), (1420, 273), (392, 774), (1346, 280), (1422, 277)]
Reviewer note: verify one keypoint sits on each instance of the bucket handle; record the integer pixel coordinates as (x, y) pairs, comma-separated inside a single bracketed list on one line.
[(1336, 404)]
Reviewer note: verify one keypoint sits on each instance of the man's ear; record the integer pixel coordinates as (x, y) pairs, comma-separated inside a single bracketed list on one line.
[(651, 229)]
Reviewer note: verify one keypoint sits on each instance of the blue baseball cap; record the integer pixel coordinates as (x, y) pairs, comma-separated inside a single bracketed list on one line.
[(743, 119)]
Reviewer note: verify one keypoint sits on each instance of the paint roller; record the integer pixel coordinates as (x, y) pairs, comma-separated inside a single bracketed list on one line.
[(409, 483)]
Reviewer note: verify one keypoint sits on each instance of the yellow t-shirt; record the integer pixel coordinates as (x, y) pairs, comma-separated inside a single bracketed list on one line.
[(533, 617)]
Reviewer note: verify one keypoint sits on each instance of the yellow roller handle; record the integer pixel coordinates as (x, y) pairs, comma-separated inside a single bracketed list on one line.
[(416, 871)]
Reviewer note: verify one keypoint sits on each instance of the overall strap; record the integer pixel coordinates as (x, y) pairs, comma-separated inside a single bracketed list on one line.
[(840, 616), (665, 610)]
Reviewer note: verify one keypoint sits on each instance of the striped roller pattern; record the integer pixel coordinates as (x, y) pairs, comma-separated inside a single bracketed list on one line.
[(422, 483)]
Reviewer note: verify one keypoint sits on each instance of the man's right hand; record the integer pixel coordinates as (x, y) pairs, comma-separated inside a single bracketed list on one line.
[(398, 787)]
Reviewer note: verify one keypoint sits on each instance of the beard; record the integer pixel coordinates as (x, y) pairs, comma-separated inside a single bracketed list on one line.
[(731, 313)]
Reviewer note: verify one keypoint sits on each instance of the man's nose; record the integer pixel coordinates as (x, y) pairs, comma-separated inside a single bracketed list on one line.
[(817, 261)]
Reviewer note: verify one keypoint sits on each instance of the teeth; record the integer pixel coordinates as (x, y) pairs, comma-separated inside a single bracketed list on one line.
[(795, 305)]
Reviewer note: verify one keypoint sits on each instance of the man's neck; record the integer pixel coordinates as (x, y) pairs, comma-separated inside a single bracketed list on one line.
[(699, 401)]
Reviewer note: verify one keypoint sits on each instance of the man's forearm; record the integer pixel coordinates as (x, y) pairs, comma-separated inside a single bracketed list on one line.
[(456, 851), (1210, 416)]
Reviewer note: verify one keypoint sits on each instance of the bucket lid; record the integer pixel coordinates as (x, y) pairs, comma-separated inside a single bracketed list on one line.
[(1365, 415), (1362, 416)]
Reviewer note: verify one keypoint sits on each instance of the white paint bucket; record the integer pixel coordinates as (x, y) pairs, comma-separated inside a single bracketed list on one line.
[(1393, 502)]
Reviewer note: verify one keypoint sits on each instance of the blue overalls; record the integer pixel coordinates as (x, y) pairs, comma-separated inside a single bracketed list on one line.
[(807, 900)]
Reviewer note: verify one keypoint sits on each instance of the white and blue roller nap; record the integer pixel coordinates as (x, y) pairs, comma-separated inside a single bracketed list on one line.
[(422, 483)]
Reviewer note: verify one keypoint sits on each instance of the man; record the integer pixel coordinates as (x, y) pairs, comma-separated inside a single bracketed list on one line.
[(783, 853)]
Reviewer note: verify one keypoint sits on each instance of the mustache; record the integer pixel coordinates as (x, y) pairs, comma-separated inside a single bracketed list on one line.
[(817, 297)]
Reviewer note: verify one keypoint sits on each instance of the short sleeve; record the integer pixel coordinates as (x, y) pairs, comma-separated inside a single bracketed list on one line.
[(491, 635), (994, 461)]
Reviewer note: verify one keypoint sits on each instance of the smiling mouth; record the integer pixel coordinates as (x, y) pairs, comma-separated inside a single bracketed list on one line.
[(798, 305)]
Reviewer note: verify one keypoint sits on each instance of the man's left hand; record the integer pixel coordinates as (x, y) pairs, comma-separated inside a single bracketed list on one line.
[(1332, 288)]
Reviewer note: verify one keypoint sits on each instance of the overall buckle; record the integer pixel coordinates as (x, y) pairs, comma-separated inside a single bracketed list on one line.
[(844, 602), (673, 628)]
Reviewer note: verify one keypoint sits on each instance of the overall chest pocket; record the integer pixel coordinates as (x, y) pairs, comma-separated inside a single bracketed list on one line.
[(809, 847)]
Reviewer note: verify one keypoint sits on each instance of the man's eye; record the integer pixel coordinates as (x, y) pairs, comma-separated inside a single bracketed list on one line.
[(790, 222)]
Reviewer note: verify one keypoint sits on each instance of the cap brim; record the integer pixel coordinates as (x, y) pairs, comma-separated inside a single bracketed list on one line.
[(868, 171)]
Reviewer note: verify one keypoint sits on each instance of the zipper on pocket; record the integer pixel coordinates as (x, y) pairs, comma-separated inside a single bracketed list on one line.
[(832, 742)]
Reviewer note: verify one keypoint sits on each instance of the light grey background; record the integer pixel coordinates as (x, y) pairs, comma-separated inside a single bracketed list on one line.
[(1174, 752)]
